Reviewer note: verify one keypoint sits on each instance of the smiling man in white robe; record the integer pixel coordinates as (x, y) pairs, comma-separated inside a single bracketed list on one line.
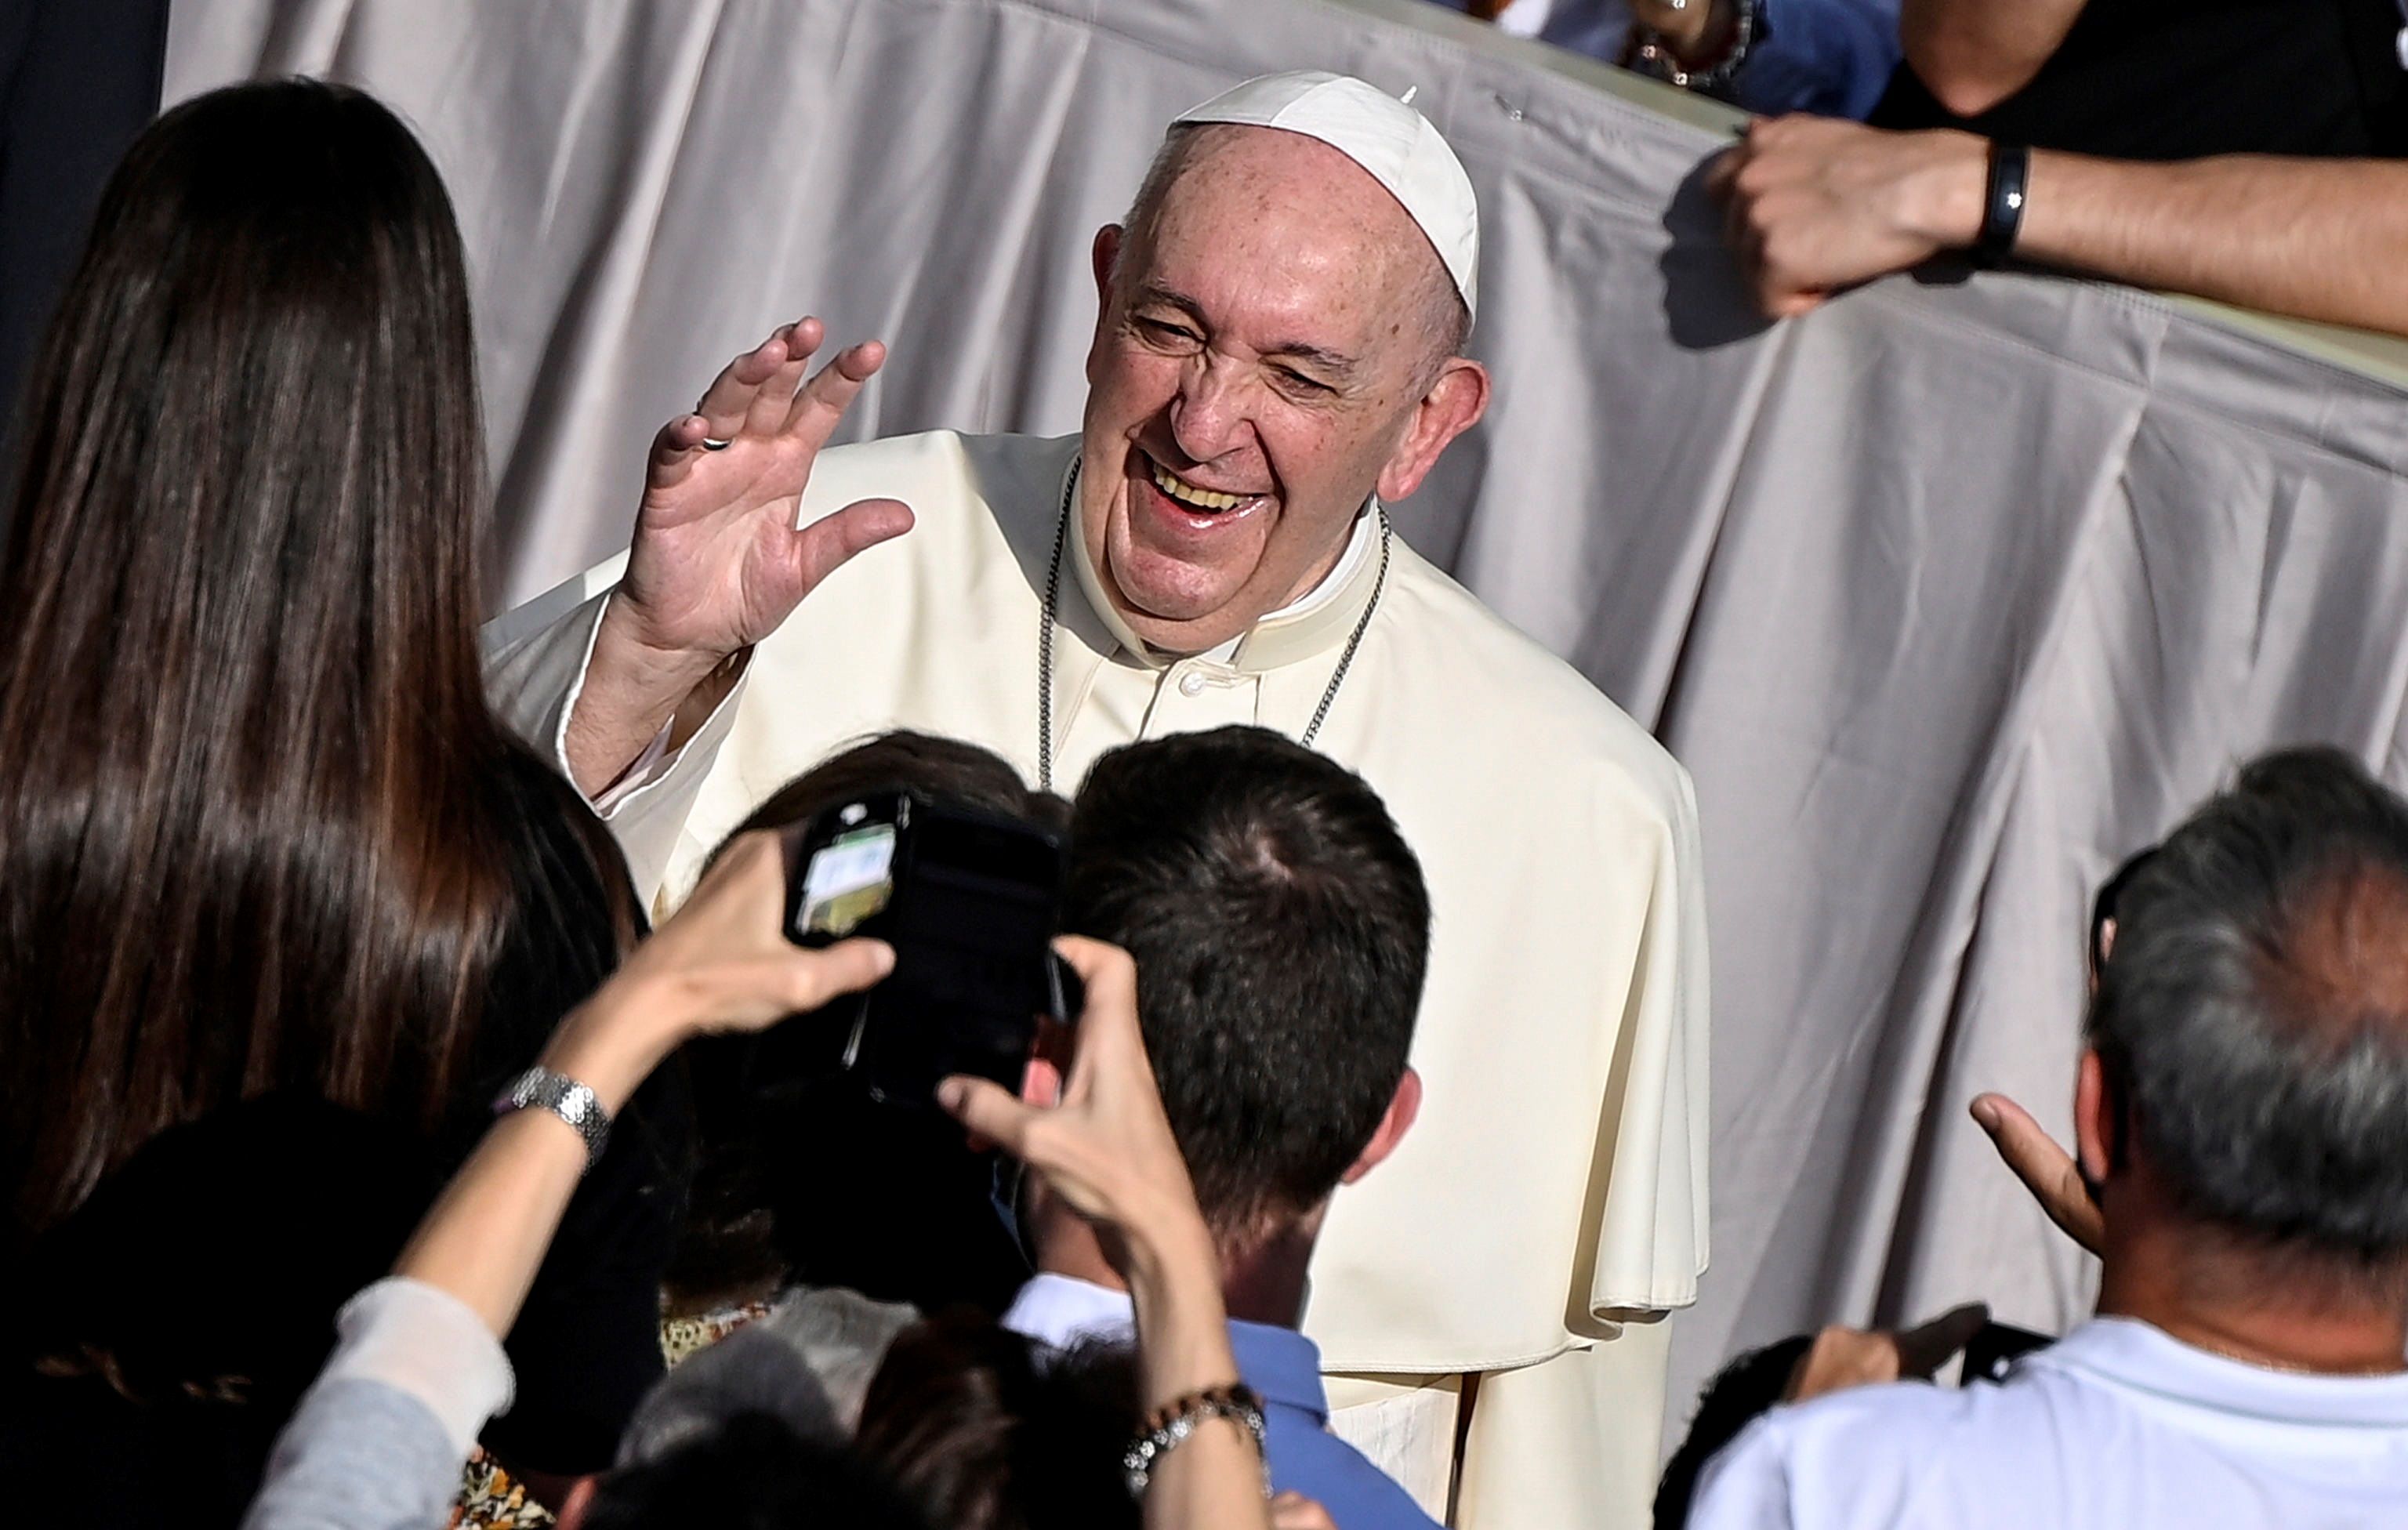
[(1275, 357)]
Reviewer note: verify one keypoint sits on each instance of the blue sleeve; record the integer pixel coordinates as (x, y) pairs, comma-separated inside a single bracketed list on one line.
[(1831, 57)]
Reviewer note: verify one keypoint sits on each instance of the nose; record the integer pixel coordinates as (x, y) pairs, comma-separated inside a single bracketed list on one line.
[(1213, 414)]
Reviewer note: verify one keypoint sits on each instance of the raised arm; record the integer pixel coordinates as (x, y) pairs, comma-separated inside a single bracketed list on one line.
[(378, 1440), (722, 964), (1972, 54), (1818, 206), (716, 562), (1107, 1149)]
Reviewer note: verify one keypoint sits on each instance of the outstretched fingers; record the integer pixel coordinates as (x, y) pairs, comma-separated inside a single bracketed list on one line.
[(729, 399), (830, 542), (823, 400), (2046, 1169)]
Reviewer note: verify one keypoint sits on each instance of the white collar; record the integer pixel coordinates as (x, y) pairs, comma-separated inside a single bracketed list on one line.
[(1321, 619), (1063, 1310), (2129, 1352), (1330, 587)]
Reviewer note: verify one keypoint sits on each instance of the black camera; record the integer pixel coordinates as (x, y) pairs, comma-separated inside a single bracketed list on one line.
[(971, 903)]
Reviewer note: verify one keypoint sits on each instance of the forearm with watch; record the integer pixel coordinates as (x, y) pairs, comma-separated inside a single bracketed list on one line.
[(2321, 239), (487, 1233), (1198, 1463)]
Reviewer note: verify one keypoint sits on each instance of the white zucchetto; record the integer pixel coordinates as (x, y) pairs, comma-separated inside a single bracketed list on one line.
[(1388, 139)]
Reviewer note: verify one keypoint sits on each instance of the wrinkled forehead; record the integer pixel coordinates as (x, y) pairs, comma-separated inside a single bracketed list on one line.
[(1275, 227)]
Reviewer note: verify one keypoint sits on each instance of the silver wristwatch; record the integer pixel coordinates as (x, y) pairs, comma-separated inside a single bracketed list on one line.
[(540, 1089)]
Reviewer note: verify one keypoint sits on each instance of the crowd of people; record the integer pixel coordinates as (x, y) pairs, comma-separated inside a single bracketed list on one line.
[(394, 1118)]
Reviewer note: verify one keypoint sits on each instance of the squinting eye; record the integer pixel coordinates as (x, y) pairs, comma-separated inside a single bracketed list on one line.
[(1162, 331), (1301, 383)]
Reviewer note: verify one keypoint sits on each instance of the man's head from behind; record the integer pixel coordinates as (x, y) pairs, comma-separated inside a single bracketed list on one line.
[(2250, 1030), (1276, 341), (1280, 931)]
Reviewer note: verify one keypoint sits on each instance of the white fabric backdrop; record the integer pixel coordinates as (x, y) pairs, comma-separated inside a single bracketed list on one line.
[(1948, 595)]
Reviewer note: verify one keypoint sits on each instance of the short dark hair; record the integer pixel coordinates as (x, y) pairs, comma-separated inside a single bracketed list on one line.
[(754, 1472), (983, 1430), (948, 770), (2253, 1018), (1280, 931)]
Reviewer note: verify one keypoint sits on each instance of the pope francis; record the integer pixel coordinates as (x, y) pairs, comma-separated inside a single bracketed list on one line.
[(1274, 357)]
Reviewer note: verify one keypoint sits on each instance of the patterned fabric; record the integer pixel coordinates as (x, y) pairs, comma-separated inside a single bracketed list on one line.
[(682, 1338), (491, 1499)]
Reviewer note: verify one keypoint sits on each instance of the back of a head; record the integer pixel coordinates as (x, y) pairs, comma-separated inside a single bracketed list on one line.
[(1280, 930), (983, 1430), (245, 811), (2253, 1016), (752, 1472), (941, 769)]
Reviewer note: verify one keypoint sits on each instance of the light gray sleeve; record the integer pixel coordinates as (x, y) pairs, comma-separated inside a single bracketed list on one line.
[(378, 1442), (358, 1456)]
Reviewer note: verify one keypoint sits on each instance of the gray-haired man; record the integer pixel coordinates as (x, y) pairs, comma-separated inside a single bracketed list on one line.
[(2242, 1111)]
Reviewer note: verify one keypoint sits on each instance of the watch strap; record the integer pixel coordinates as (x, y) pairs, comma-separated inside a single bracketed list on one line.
[(2002, 204), (540, 1089)]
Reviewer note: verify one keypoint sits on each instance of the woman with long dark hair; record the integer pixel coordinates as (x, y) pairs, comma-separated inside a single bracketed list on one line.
[(259, 832)]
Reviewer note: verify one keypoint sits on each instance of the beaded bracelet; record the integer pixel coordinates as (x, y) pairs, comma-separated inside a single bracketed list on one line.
[(1168, 1427)]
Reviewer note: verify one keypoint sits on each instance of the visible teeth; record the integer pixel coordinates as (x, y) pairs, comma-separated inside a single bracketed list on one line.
[(1189, 494)]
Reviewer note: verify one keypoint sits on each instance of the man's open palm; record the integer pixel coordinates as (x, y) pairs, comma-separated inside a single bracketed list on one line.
[(716, 563)]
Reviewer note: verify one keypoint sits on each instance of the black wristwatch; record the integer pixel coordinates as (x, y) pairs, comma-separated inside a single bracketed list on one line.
[(2002, 204)]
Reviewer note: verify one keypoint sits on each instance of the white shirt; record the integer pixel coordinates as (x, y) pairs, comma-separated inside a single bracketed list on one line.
[(2117, 1426), (1064, 1311)]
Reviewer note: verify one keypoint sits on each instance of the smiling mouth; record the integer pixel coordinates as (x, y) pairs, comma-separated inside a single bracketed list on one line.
[(1190, 496)]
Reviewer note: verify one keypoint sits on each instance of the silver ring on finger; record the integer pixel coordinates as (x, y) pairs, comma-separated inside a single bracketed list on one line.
[(713, 444)]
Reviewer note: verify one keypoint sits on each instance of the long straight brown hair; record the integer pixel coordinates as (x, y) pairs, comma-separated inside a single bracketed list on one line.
[(251, 830)]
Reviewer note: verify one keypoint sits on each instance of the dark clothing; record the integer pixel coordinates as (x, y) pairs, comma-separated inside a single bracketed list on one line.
[(2166, 80), (224, 1247), (807, 1180), (587, 1346)]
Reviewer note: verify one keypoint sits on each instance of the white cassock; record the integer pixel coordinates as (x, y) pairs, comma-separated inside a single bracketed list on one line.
[(1551, 1196)]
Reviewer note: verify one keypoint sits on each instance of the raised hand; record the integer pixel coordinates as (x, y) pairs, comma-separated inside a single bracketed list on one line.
[(1106, 1149), (722, 963), (1841, 1358), (716, 563), (2046, 1169), (1816, 204)]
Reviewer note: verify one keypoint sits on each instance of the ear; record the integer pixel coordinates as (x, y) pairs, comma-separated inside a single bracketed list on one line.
[(574, 1506), (1455, 403), (1403, 1107), (1105, 255), (2094, 1119)]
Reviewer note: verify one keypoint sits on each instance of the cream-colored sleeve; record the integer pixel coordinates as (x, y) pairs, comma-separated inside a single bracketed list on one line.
[(1653, 1229), (536, 659), (1573, 1443)]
